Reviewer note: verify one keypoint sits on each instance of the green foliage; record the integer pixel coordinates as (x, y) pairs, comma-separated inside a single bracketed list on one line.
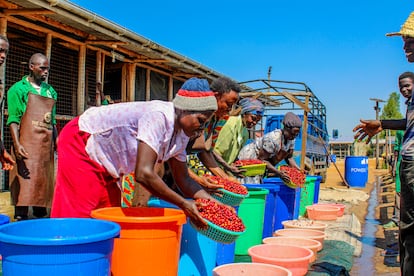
[(391, 110)]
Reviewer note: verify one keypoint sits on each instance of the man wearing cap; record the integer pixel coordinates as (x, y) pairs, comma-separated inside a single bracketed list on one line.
[(369, 128), (234, 134), (104, 143), (274, 147)]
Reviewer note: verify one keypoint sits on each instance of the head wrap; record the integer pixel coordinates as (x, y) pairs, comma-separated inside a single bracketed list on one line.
[(252, 106), (292, 120), (407, 28), (195, 95)]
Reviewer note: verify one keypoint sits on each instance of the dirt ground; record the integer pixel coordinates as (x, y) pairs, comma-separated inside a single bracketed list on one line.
[(359, 207)]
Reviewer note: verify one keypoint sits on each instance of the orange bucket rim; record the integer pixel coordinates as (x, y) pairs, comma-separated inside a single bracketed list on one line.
[(179, 218)]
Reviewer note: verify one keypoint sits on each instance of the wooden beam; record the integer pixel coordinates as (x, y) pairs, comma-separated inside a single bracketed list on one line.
[(148, 60), (112, 43), (42, 29), (26, 11)]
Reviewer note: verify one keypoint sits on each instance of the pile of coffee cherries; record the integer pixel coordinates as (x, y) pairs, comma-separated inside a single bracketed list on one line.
[(229, 185), (247, 162), (220, 215), (296, 176)]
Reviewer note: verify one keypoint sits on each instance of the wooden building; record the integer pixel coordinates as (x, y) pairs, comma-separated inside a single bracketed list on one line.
[(84, 48)]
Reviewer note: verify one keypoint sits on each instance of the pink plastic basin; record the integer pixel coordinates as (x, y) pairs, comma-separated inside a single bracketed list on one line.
[(302, 233), (313, 245), (322, 212), (251, 269), (294, 258), (339, 205), (305, 224)]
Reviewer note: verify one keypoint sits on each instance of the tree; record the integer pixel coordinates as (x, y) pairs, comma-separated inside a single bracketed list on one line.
[(391, 110)]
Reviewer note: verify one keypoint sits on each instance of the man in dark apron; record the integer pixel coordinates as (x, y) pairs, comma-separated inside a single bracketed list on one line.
[(31, 106)]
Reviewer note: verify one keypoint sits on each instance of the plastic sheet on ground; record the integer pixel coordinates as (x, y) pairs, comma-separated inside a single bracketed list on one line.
[(335, 252)]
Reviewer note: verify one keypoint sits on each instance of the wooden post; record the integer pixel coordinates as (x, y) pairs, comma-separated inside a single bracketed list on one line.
[(131, 82), (3, 31), (148, 85), (81, 80), (170, 88), (304, 135), (124, 72)]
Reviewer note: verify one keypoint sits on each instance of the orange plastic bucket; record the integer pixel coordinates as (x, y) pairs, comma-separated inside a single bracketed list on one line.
[(149, 242)]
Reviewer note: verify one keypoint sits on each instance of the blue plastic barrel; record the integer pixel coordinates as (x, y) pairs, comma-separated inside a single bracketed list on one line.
[(64, 247), (287, 202), (270, 207), (356, 170), (197, 252)]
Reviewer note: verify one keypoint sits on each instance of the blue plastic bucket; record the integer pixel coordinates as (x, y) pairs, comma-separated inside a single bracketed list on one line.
[(356, 170), (317, 188), (70, 246), (226, 252), (270, 207), (197, 252), (287, 202), (4, 219)]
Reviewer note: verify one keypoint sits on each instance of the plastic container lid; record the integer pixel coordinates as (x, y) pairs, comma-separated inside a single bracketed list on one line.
[(58, 231)]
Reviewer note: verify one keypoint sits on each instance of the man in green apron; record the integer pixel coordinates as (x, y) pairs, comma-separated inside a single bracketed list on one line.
[(31, 105)]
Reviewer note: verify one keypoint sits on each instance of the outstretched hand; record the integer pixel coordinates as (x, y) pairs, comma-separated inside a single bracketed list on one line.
[(211, 186), (236, 171), (367, 129), (191, 211), (7, 162)]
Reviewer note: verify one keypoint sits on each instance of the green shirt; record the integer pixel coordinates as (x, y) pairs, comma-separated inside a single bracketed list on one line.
[(17, 97), (398, 140), (231, 139)]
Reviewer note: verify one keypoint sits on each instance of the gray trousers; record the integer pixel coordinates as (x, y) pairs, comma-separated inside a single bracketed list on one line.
[(406, 239)]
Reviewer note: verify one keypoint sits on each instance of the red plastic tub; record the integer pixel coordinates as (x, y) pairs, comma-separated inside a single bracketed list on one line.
[(304, 224), (339, 205), (313, 245), (322, 212), (251, 269), (302, 233), (294, 258)]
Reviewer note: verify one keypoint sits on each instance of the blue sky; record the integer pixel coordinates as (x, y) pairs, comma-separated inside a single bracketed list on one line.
[(338, 48)]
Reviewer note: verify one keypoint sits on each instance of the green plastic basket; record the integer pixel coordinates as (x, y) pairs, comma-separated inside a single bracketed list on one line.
[(229, 198), (290, 184), (253, 170), (218, 233)]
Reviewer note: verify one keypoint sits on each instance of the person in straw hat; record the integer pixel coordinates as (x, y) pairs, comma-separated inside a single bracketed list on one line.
[(104, 143), (366, 129)]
